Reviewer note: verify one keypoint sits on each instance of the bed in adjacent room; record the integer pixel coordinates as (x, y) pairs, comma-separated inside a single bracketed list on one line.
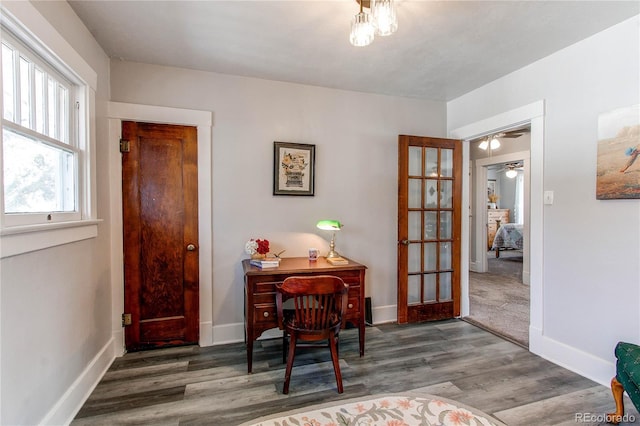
[(508, 236)]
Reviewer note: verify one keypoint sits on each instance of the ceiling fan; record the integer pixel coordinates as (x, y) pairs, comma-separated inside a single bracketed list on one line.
[(511, 169), (510, 134), (493, 142)]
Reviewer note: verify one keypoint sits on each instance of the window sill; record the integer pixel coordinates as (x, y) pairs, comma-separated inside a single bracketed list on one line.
[(24, 239)]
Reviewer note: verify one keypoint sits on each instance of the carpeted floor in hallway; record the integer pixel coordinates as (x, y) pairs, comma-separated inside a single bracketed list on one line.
[(499, 302)]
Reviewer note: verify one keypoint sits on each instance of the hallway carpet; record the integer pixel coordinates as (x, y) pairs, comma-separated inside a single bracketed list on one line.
[(509, 264), (500, 303)]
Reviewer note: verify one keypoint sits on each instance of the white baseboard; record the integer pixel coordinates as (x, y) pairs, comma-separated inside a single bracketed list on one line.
[(70, 403), (117, 338), (384, 314), (475, 266), (227, 333), (583, 363)]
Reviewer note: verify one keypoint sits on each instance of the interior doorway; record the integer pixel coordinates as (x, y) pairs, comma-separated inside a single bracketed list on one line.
[(532, 114), (505, 220), (499, 276)]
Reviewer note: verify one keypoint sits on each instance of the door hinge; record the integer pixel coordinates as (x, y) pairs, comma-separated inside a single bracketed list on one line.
[(126, 320), (124, 145)]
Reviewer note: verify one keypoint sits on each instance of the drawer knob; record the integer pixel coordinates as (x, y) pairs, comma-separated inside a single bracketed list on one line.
[(266, 314), (350, 305)]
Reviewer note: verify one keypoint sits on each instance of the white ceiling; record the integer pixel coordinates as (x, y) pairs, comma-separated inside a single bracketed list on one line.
[(441, 50)]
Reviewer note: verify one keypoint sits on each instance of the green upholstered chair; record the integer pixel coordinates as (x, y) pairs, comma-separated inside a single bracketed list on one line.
[(627, 378)]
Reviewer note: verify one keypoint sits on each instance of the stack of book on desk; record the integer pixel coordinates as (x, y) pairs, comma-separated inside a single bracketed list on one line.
[(337, 260), (270, 262)]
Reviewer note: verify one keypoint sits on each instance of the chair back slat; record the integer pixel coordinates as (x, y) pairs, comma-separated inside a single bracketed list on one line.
[(319, 301), (315, 311)]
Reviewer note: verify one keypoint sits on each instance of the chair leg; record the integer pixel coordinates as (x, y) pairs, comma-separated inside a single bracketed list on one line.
[(285, 342), (292, 354), (336, 361), (617, 390)]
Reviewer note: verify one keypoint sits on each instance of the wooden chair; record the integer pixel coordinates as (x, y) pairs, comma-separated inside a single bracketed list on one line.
[(319, 304)]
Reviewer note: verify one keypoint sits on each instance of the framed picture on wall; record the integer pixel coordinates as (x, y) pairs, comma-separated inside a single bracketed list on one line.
[(491, 188), (618, 166), (293, 168)]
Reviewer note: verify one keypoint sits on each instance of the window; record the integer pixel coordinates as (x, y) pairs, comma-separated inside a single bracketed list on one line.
[(41, 141), (47, 113)]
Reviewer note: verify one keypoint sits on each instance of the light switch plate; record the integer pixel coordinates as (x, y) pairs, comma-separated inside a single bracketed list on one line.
[(548, 197)]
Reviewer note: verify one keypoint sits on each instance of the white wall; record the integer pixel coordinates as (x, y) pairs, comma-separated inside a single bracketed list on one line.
[(591, 276), (356, 138), (56, 303)]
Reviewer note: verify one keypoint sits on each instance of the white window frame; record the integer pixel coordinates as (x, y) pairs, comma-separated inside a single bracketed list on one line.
[(75, 137), (24, 233)]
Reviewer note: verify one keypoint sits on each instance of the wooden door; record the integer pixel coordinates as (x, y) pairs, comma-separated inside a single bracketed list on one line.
[(429, 228), (160, 225)]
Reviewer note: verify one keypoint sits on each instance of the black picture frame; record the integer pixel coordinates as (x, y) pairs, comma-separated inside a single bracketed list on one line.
[(293, 168)]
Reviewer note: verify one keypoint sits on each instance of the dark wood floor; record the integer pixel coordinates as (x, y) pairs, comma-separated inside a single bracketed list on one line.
[(452, 359)]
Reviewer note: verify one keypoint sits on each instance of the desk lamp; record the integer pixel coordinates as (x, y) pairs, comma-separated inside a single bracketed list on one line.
[(331, 225)]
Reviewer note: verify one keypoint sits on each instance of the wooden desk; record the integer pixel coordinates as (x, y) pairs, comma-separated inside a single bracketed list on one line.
[(260, 294)]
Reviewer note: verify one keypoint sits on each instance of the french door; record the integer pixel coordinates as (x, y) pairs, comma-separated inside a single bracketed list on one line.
[(429, 228)]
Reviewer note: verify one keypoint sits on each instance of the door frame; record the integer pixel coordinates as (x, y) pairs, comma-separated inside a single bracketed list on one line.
[(480, 212), (532, 113), (203, 120)]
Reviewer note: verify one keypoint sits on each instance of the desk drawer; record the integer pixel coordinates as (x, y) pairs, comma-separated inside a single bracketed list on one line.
[(265, 287), (265, 313), (353, 307), (269, 286), (262, 298)]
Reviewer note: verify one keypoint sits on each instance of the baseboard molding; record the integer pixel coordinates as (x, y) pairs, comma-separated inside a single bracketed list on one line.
[(475, 266), (385, 314), (227, 333), (117, 338), (63, 412), (587, 365)]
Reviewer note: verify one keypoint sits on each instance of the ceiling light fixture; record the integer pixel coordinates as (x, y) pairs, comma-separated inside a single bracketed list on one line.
[(495, 143), (381, 20), (511, 173), (492, 142)]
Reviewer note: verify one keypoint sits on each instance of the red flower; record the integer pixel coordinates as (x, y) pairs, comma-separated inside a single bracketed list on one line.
[(263, 246)]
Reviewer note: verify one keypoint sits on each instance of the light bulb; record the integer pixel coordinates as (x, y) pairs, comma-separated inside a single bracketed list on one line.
[(495, 143), (362, 30), (384, 16)]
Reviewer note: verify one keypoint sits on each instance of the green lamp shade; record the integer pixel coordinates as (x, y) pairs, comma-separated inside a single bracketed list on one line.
[(329, 225)]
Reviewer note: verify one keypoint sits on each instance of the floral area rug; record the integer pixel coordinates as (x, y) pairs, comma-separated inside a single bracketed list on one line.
[(383, 410)]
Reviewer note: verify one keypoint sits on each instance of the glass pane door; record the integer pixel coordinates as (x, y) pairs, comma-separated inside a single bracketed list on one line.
[(428, 227)]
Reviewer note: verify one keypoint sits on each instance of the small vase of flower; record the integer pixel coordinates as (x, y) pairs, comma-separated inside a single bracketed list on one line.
[(257, 248), (493, 201)]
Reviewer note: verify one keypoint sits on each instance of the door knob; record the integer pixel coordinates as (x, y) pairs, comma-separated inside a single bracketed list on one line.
[(191, 247), (404, 242)]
